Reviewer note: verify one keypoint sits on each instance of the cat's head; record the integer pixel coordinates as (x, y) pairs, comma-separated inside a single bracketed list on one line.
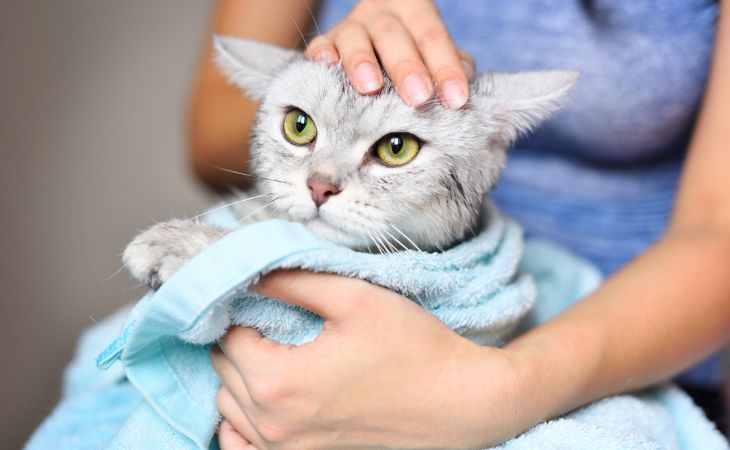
[(361, 170)]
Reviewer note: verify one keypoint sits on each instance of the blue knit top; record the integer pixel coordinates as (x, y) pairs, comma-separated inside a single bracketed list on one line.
[(601, 176)]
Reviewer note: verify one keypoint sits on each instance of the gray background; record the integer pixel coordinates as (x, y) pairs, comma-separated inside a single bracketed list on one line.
[(93, 97)]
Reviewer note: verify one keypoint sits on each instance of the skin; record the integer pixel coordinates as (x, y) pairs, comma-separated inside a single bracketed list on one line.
[(379, 353), (414, 47), (333, 403)]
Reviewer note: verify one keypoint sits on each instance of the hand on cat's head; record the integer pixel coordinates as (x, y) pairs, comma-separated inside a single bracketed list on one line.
[(411, 42), (367, 170)]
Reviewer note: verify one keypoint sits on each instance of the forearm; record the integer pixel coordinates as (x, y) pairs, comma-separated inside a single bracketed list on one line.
[(220, 116), (219, 128), (665, 311)]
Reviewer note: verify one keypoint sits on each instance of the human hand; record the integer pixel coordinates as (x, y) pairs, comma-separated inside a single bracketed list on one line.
[(383, 373), (412, 43)]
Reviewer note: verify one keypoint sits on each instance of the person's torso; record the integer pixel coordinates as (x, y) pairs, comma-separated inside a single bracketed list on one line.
[(600, 177)]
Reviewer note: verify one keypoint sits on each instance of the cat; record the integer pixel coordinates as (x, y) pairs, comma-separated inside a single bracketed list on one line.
[(366, 172)]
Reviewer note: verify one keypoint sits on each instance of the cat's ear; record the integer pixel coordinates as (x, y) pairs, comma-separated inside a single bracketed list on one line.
[(515, 103), (249, 64)]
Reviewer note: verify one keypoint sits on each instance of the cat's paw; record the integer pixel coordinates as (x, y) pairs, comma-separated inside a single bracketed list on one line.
[(157, 253)]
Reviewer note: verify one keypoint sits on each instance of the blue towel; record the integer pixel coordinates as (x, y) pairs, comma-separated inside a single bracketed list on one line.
[(481, 288)]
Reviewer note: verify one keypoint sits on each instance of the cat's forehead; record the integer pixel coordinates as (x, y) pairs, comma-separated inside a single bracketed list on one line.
[(325, 93)]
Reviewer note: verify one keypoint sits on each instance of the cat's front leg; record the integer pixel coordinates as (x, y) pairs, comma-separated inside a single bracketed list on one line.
[(158, 252)]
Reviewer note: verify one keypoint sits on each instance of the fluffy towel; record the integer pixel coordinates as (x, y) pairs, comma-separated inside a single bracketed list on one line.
[(481, 288)]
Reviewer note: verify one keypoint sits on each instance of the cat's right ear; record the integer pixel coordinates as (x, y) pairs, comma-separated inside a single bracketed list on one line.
[(249, 64)]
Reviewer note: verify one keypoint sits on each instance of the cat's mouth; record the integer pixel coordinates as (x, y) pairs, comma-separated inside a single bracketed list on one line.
[(319, 221), (336, 232)]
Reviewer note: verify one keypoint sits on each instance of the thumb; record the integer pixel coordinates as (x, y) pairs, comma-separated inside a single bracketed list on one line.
[(330, 296)]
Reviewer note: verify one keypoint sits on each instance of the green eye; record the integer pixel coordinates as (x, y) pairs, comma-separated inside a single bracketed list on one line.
[(299, 128), (397, 149)]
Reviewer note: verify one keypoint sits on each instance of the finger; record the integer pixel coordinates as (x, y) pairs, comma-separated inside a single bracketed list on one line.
[(468, 64), (229, 372), (358, 58), (232, 412), (245, 351), (230, 439), (400, 58), (322, 49), (440, 55), (330, 296)]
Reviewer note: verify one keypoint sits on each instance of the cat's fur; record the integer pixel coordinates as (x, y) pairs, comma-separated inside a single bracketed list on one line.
[(430, 202)]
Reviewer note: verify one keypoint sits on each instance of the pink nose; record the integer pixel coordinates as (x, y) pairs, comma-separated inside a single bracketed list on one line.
[(322, 189)]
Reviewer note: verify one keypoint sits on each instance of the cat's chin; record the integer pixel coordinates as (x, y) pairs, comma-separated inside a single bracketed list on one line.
[(336, 234)]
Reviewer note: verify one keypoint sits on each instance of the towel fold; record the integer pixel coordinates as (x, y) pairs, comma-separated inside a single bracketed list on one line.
[(481, 288)]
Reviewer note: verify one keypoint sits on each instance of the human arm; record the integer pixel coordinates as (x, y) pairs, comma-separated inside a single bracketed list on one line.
[(220, 115), (670, 307), (384, 373)]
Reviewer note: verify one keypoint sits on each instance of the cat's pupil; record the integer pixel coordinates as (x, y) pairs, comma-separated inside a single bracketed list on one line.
[(301, 123), (396, 144)]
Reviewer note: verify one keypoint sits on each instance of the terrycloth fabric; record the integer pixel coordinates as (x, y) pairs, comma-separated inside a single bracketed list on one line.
[(94, 403), (477, 288)]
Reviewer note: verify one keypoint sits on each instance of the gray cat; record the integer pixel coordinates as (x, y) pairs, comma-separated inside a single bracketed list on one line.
[(367, 172)]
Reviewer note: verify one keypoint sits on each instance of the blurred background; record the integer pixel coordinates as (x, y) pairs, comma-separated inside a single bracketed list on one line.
[(93, 97)]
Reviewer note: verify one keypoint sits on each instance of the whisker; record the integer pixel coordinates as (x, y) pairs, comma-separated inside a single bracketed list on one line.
[(498, 340), (386, 251), (112, 275), (390, 244), (135, 286), (232, 171), (306, 44), (405, 236), (379, 239), (380, 249), (473, 233), (248, 174), (396, 240), (316, 26), (310, 34), (258, 209), (392, 247), (229, 204)]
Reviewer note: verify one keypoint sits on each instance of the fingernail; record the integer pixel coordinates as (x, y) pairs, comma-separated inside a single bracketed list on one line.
[(453, 94), (468, 70), (326, 55), (416, 89), (367, 78)]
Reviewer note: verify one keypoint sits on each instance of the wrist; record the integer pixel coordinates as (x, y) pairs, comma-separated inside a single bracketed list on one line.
[(502, 403), (504, 392), (557, 371)]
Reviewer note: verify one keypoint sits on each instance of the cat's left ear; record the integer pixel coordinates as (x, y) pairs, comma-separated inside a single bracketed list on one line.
[(515, 103), (250, 64)]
